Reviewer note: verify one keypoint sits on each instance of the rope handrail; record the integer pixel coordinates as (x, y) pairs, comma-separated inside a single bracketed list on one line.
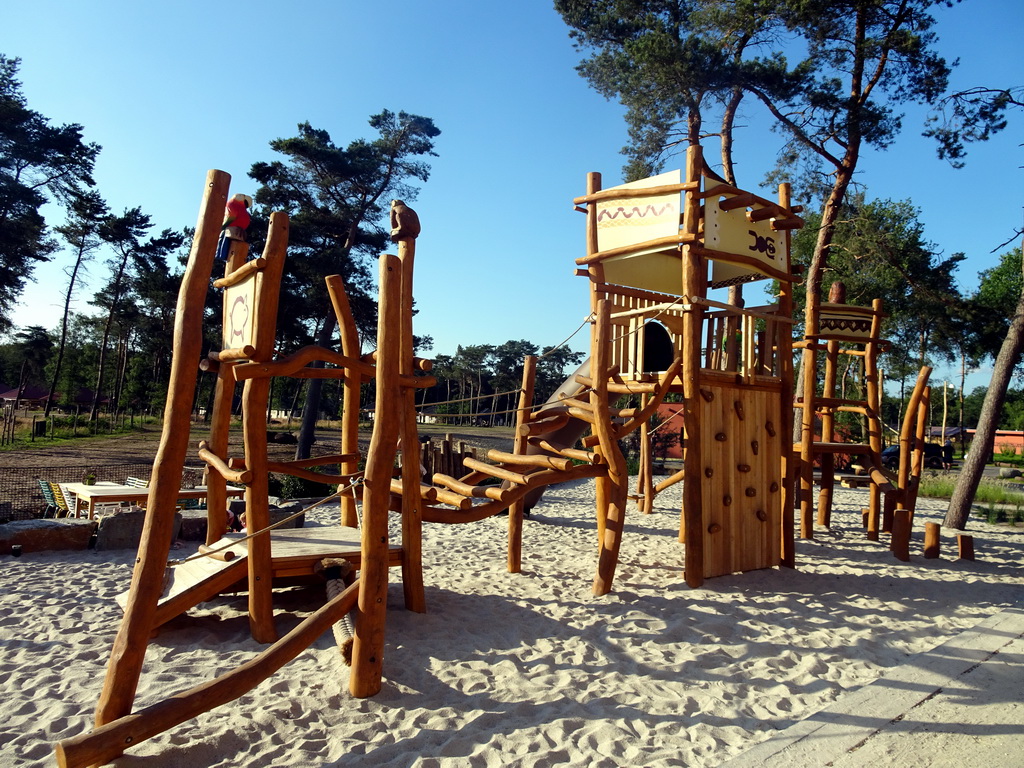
[(586, 321), (217, 550), (663, 310)]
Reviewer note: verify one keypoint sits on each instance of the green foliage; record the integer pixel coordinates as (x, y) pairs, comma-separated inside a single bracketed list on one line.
[(995, 302), (291, 487), (336, 198), (39, 162)]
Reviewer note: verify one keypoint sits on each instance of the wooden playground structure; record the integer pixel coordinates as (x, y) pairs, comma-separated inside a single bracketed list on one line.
[(654, 248)]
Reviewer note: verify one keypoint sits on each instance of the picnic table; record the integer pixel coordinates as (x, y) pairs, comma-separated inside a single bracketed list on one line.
[(91, 496)]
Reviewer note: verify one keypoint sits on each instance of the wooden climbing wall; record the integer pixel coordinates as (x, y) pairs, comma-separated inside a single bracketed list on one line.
[(741, 462)]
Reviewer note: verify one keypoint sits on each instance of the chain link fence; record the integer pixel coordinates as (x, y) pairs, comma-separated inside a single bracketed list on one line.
[(22, 499)]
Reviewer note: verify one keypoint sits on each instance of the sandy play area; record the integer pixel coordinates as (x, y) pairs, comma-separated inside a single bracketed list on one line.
[(513, 670)]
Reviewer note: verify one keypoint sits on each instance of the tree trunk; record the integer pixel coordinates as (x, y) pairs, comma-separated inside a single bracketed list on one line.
[(63, 333), (984, 437)]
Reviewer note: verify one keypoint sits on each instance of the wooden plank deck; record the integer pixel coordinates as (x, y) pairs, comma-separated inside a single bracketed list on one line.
[(294, 552)]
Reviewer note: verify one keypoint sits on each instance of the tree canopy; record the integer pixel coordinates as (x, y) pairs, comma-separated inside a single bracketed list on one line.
[(38, 162)]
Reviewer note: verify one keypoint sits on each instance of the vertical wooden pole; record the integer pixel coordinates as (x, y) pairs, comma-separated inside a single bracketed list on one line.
[(412, 503), (900, 541), (911, 440), (255, 395), (645, 481), (351, 348), (810, 375), (596, 271), (520, 442), (828, 459), (129, 650), (368, 646), (875, 390), (914, 481), (784, 428), (220, 422), (965, 546), (932, 540), (616, 482), (693, 510)]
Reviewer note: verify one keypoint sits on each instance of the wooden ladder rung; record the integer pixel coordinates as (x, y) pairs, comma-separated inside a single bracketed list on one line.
[(427, 492), (585, 407), (548, 422), (498, 472), (464, 491), (524, 460), (587, 457)]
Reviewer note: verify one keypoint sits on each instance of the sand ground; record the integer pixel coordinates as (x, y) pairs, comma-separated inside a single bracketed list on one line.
[(517, 670)]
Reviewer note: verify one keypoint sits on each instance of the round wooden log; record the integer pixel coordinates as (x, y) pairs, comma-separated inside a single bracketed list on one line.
[(109, 741), (932, 540), (368, 649), (129, 649), (900, 542), (965, 546)]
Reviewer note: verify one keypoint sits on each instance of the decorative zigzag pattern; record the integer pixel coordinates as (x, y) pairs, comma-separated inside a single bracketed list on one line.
[(857, 325), (611, 214)]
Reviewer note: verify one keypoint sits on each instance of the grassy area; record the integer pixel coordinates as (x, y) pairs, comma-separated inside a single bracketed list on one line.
[(61, 429), (1001, 503)]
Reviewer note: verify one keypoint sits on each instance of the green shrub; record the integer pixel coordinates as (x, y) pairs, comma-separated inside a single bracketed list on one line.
[(292, 487)]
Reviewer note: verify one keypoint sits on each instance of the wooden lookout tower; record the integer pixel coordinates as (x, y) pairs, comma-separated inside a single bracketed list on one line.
[(655, 248)]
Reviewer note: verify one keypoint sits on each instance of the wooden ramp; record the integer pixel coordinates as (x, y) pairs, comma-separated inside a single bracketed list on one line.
[(294, 552)]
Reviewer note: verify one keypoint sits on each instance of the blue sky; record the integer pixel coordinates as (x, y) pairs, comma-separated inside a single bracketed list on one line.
[(173, 89)]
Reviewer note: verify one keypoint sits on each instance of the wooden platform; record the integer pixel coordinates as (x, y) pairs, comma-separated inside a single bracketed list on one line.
[(294, 552)]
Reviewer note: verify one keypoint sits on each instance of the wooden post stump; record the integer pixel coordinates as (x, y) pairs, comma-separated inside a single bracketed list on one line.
[(932, 538), (900, 542), (965, 545)]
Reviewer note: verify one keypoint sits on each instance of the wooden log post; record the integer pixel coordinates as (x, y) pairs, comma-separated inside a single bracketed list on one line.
[(129, 650), (405, 228), (255, 396), (110, 740), (965, 546), (809, 365), (645, 481), (616, 481), (520, 444), (350, 348), (368, 648), (828, 460), (692, 528), (785, 427), (220, 422), (873, 386), (900, 541), (932, 540)]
